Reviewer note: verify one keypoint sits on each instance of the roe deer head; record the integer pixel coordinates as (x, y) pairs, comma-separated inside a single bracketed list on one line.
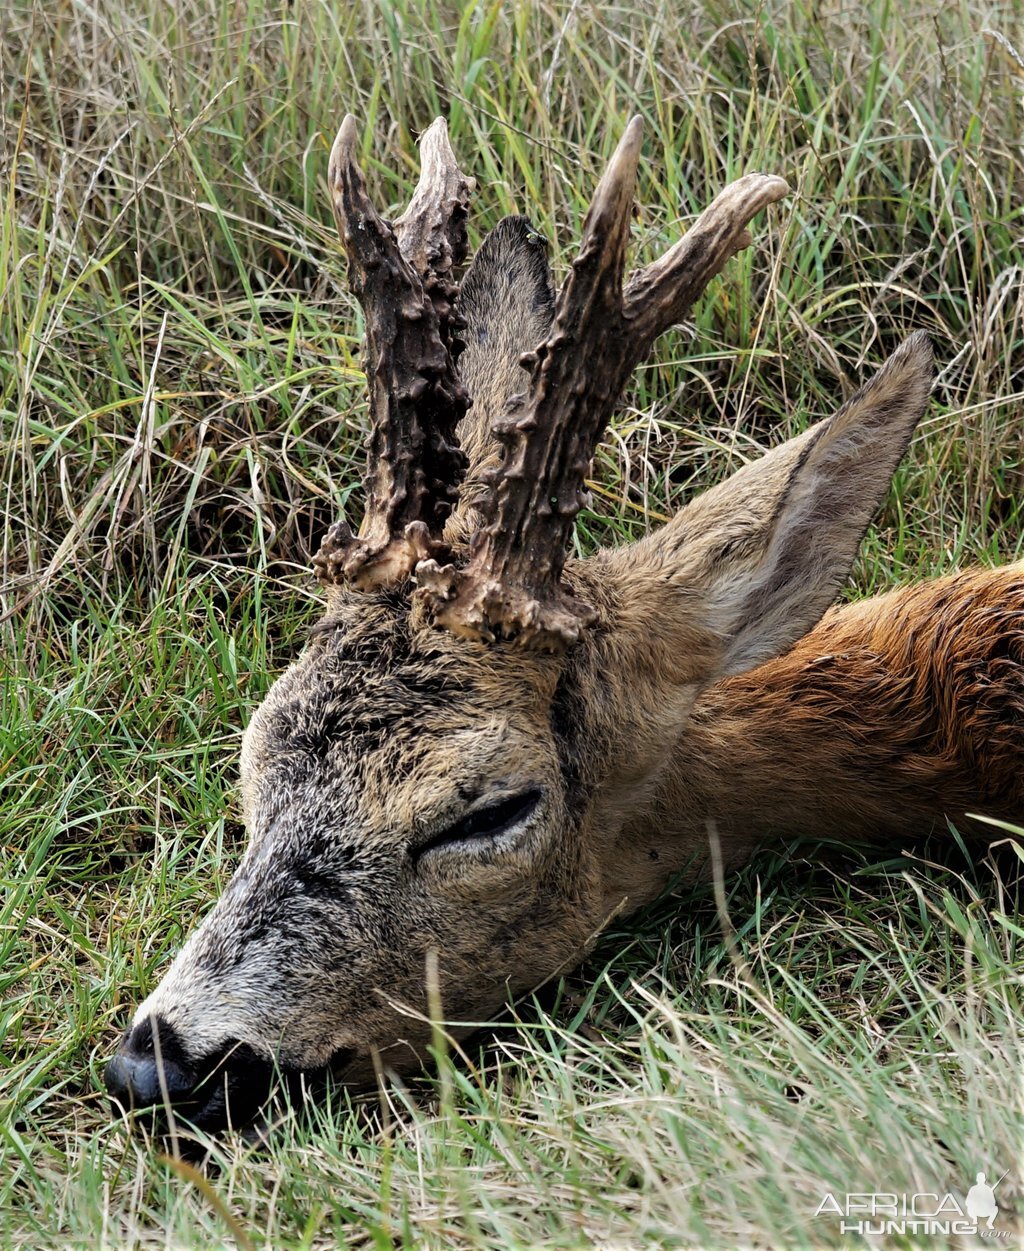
[(475, 761)]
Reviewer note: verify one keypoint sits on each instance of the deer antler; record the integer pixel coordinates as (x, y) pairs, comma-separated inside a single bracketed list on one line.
[(511, 585), (403, 278)]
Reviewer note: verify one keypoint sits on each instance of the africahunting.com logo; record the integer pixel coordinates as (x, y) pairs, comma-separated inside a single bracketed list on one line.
[(885, 1213)]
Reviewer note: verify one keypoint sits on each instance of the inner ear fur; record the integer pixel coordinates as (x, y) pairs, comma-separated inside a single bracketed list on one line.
[(507, 303), (749, 567)]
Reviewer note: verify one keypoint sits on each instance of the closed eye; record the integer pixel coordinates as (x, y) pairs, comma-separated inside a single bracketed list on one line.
[(487, 823)]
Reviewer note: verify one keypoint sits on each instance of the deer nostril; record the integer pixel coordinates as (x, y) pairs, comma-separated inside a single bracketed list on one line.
[(150, 1068)]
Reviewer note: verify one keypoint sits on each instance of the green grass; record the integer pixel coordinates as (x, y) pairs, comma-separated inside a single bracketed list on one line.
[(181, 416)]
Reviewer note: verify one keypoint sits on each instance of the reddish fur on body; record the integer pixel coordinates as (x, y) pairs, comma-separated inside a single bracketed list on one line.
[(891, 714)]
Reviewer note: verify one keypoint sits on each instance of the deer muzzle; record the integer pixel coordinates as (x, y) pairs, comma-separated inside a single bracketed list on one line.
[(151, 1074)]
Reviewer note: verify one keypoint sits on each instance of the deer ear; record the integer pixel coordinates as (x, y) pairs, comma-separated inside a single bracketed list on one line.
[(507, 304), (756, 560)]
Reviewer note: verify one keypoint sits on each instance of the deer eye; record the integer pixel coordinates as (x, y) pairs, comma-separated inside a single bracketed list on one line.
[(486, 823)]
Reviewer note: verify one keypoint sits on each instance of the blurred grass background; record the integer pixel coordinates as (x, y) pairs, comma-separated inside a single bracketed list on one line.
[(181, 415)]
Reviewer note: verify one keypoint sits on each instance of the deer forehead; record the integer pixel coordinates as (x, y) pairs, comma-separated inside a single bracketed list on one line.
[(393, 722)]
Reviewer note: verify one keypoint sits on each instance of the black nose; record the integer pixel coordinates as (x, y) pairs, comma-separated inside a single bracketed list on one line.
[(152, 1070)]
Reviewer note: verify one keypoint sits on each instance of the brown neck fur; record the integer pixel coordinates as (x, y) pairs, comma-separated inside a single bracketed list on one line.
[(892, 714)]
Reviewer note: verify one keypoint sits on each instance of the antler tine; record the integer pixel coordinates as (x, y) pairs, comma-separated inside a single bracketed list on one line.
[(511, 586), (432, 231), (416, 399), (597, 271), (661, 294)]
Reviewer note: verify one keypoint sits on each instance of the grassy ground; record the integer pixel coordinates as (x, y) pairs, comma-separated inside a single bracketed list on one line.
[(175, 348)]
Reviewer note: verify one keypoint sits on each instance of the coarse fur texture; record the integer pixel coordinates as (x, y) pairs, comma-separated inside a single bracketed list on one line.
[(507, 302), (431, 812)]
